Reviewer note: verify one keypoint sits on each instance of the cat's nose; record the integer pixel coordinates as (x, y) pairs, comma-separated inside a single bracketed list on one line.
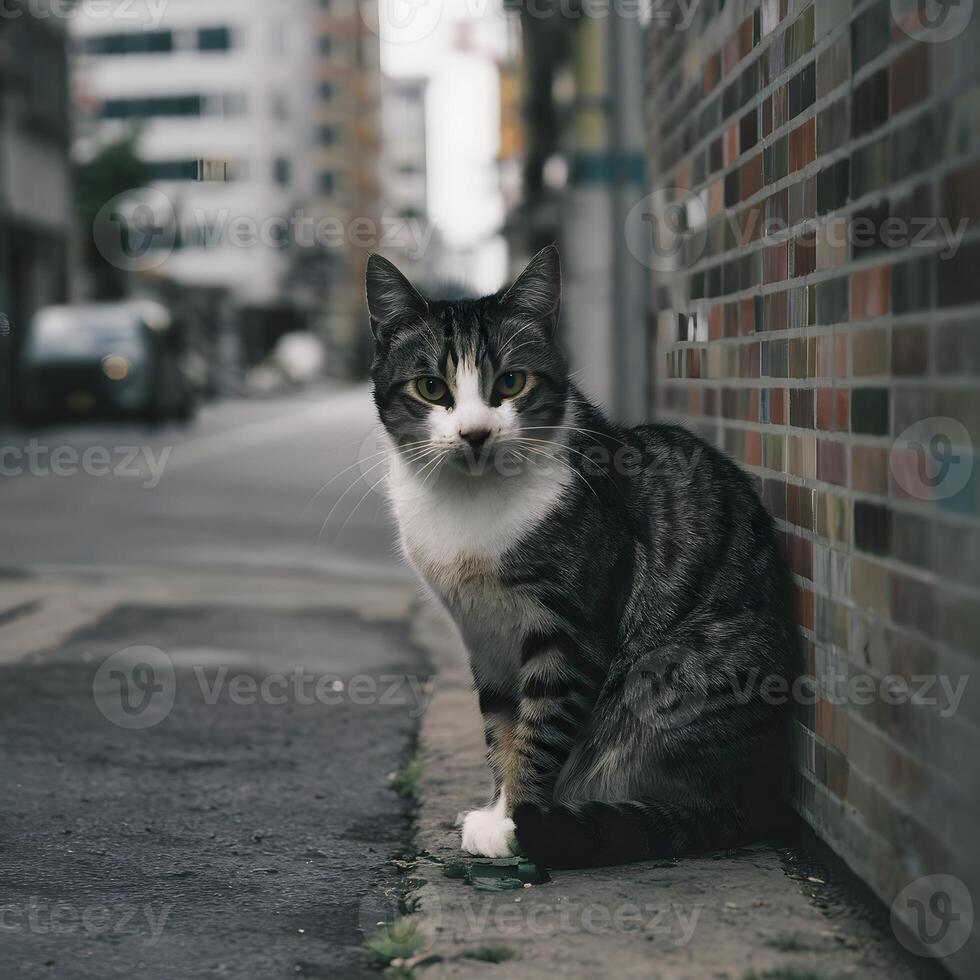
[(475, 437)]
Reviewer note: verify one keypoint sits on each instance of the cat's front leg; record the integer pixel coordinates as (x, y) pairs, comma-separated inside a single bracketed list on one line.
[(489, 832), (557, 687)]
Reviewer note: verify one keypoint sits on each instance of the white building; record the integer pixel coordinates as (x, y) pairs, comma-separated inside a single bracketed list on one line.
[(221, 89), (404, 173), (403, 132)]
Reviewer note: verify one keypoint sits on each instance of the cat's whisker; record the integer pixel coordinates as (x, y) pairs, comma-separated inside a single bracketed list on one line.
[(511, 353), (575, 428), (505, 349), (434, 469), (585, 456), (342, 497), (558, 446), (359, 462), (354, 483), (568, 466), (337, 476), (366, 494)]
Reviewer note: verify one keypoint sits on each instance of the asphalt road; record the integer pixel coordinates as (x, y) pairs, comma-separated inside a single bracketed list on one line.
[(203, 693), (248, 483)]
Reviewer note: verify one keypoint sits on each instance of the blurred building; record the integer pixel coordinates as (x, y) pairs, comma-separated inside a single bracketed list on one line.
[(347, 165), (35, 179), (404, 181), (257, 123)]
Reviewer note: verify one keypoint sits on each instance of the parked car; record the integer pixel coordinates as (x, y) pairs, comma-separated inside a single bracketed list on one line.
[(112, 359)]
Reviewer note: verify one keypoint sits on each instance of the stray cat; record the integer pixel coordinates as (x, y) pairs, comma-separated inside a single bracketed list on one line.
[(620, 592)]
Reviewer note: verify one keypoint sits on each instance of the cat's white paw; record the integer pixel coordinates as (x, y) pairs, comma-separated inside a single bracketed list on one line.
[(489, 833)]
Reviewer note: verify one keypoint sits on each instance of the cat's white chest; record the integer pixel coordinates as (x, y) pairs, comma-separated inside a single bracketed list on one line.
[(457, 535), (466, 522)]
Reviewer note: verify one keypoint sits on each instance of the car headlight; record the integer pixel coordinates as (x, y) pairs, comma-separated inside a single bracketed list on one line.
[(115, 367)]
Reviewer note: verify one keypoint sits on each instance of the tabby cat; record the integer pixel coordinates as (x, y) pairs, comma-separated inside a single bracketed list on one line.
[(620, 591)]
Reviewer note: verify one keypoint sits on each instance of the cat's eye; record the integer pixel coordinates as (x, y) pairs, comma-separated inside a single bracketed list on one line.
[(431, 389), (511, 383)]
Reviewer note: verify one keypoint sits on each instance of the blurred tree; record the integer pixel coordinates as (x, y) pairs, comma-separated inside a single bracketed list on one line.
[(114, 170)]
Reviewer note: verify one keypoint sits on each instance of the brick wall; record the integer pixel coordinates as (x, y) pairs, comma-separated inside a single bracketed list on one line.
[(817, 321)]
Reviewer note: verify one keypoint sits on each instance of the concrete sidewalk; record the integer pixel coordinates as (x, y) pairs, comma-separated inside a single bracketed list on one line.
[(763, 911)]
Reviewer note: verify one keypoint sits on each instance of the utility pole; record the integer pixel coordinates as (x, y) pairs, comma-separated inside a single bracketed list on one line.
[(630, 281), (7, 326)]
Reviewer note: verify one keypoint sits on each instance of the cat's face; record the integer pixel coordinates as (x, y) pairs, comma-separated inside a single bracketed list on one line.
[(470, 383)]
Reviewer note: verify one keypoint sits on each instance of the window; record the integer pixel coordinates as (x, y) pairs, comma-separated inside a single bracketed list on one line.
[(37, 61), (174, 106), (327, 182), (326, 45), (173, 170), (326, 91), (143, 42), (279, 105), (234, 104), (328, 136), (281, 171), (213, 39), (204, 170)]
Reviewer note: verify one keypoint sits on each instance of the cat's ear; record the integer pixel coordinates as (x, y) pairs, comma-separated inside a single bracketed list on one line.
[(391, 298), (537, 290)]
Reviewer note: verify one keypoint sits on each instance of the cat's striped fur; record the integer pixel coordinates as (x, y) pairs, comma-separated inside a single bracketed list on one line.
[(619, 590)]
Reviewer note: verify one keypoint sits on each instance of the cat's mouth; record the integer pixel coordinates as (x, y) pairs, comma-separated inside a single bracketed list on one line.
[(476, 460)]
